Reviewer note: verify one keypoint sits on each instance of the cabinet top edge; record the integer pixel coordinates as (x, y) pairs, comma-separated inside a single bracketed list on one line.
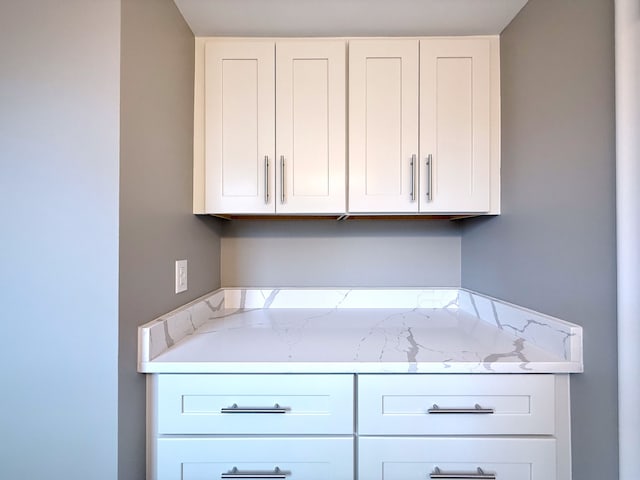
[(345, 39)]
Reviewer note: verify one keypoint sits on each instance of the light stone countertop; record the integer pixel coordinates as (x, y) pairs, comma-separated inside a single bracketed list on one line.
[(357, 331)]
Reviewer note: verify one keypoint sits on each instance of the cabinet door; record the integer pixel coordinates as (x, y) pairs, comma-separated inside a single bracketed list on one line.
[(383, 125), (288, 458), (239, 126), (311, 129), (419, 458), (455, 125)]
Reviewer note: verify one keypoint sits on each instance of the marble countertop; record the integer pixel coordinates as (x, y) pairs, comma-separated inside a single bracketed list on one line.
[(357, 331)]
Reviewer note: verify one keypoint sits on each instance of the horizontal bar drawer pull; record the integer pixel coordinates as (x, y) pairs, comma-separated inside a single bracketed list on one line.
[(462, 476), (236, 409), (477, 409), (235, 473)]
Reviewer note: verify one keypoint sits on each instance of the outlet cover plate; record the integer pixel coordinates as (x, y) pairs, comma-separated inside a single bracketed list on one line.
[(181, 276)]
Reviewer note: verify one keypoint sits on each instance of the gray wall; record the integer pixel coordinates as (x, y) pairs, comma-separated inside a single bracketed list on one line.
[(59, 128), (553, 249), (346, 253), (156, 224)]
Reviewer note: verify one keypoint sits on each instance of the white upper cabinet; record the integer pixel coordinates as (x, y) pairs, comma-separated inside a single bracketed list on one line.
[(239, 114), (383, 126), (270, 126), (455, 125), (274, 138), (447, 166), (310, 126)]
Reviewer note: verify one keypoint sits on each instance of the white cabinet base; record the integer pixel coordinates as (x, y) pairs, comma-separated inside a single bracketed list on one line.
[(380, 451)]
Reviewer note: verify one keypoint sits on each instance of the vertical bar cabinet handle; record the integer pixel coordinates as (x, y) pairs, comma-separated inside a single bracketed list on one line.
[(429, 175), (266, 179), (282, 197), (413, 177)]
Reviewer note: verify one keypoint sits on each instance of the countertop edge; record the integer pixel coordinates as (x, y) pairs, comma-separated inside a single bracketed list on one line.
[(356, 368)]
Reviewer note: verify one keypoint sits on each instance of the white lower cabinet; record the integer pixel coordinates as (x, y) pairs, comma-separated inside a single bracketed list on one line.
[(210, 426), (359, 426), (420, 458), (468, 427), (189, 458)]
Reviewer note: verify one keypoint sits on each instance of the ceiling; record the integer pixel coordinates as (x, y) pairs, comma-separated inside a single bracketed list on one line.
[(346, 18)]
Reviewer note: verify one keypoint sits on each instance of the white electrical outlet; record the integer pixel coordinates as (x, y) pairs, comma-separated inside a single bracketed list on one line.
[(181, 276)]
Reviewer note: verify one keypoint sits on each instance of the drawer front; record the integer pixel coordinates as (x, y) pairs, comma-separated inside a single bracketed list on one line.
[(414, 458), (255, 404), (264, 457), (448, 404)]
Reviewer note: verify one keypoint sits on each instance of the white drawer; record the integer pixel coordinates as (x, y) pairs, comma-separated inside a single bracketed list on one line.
[(415, 404), (255, 404), (418, 458), (194, 458)]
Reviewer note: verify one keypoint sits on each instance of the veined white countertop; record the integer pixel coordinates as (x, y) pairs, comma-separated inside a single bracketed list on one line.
[(357, 331)]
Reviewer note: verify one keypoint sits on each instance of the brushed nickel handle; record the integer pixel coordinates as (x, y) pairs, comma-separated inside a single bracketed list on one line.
[(236, 409), (266, 179), (256, 474), (437, 473), (282, 197), (477, 409), (413, 177), (429, 176)]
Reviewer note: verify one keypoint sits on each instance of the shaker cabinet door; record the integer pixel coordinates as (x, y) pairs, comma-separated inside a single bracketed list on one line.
[(383, 126), (455, 125), (310, 126), (239, 126)]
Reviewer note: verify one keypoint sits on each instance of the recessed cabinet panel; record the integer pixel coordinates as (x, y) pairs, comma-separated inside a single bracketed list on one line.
[(311, 123), (420, 458), (383, 125), (239, 126), (455, 123), (310, 159)]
